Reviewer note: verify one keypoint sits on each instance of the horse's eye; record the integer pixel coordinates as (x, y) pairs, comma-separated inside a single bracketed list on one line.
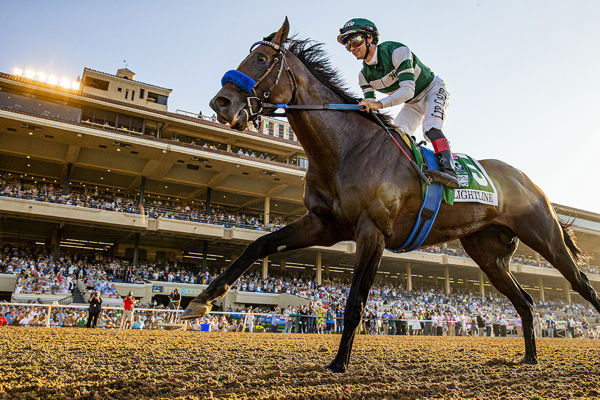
[(261, 58)]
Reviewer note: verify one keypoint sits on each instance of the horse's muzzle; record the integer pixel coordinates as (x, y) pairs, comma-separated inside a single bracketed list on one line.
[(230, 112)]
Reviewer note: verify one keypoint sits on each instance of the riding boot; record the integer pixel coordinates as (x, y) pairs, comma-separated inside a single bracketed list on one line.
[(446, 175)]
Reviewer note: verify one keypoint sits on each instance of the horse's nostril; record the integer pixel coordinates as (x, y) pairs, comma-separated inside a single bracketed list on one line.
[(223, 101)]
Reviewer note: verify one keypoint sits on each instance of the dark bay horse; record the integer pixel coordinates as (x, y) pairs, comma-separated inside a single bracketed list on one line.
[(359, 187)]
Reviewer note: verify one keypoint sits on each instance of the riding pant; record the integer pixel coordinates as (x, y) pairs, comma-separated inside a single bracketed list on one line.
[(428, 108)]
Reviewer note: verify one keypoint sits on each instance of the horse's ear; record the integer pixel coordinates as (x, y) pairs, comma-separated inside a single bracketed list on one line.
[(282, 34)]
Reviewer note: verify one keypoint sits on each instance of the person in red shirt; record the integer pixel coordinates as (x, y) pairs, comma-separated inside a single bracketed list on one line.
[(3, 320), (128, 304)]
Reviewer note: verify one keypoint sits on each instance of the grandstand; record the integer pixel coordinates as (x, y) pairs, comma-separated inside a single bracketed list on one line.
[(107, 171)]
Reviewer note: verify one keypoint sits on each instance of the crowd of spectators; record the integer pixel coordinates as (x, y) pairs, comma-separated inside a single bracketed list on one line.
[(317, 318), (37, 273), (15, 186), (12, 185), (390, 309)]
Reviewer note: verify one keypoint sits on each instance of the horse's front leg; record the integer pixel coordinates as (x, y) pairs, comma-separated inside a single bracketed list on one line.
[(370, 244), (306, 231)]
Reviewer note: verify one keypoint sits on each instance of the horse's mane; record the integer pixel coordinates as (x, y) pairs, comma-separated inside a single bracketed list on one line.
[(316, 60)]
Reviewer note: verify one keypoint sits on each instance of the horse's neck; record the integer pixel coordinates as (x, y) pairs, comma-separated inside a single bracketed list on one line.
[(319, 132)]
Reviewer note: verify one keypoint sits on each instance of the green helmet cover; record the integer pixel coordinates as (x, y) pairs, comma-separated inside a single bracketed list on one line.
[(358, 25)]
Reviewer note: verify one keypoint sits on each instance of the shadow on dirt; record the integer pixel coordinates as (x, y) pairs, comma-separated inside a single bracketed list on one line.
[(495, 362)]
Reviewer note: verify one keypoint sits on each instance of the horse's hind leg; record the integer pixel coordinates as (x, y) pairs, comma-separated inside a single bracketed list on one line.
[(541, 230), (306, 231), (491, 249)]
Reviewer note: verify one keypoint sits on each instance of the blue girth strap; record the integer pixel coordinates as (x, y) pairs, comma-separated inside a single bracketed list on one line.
[(240, 79), (428, 211)]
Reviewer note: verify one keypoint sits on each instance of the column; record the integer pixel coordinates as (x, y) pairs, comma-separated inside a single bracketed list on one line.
[(408, 278), (282, 264), (142, 189), (568, 291), (447, 279), (481, 284), (267, 209), (57, 238), (68, 178), (208, 195), (326, 270), (319, 265), (265, 267), (136, 248), (228, 148), (204, 254), (542, 294)]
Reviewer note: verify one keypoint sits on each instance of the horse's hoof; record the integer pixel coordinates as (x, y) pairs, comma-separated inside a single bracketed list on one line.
[(531, 360), (335, 367), (195, 309)]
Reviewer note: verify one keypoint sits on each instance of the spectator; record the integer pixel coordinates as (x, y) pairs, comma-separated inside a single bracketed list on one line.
[(138, 323), (250, 320), (174, 302), (503, 326), (275, 320), (550, 327), (480, 324), (94, 309), (128, 304), (330, 320), (537, 325), (519, 326), (585, 326)]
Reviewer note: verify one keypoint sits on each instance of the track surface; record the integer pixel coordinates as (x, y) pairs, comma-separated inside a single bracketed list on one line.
[(66, 363)]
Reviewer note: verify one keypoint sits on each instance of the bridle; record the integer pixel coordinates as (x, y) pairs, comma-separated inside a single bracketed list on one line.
[(256, 102)]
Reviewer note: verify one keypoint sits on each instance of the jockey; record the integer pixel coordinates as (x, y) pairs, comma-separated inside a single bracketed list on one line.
[(391, 68)]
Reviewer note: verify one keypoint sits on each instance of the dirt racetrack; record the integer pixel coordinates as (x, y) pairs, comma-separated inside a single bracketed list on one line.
[(66, 363)]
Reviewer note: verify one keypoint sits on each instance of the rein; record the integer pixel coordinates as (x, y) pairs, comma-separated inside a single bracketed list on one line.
[(256, 105), (354, 107)]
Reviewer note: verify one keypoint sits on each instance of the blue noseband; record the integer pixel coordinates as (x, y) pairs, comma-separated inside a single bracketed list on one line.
[(239, 79)]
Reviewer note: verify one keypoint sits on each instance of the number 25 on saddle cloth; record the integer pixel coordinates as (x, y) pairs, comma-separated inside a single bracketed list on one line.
[(475, 184)]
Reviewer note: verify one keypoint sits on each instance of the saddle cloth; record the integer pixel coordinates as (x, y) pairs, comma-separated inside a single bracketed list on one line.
[(475, 184)]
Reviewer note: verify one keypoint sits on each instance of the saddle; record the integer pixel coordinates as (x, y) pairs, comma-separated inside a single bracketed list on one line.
[(429, 167)]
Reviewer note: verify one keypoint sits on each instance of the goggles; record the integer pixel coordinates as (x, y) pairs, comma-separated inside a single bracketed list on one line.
[(354, 41)]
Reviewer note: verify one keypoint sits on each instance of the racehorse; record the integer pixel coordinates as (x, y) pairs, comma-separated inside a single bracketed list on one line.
[(358, 187)]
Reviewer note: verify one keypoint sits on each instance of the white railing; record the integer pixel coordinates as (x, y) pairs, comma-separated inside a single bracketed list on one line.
[(173, 318)]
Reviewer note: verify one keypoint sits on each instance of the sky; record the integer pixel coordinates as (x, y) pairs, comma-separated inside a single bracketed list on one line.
[(523, 76)]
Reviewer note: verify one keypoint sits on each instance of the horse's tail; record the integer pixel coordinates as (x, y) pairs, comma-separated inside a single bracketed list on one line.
[(570, 241)]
